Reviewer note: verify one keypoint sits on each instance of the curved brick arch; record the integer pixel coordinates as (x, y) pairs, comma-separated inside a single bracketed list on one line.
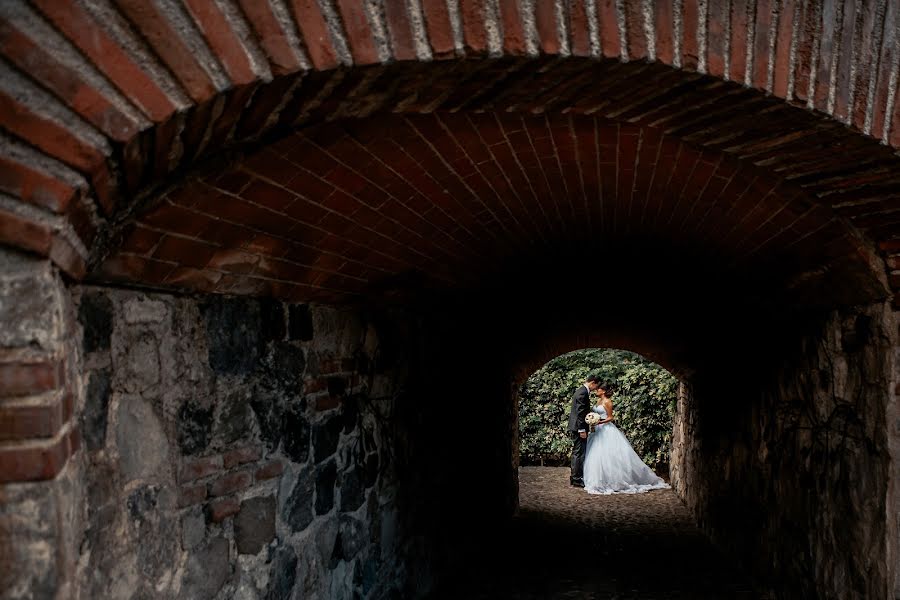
[(115, 97)]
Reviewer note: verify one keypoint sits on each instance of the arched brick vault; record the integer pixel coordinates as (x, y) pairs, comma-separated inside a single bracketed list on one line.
[(765, 119)]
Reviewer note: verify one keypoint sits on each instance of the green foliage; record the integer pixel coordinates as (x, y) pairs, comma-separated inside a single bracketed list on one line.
[(643, 405)]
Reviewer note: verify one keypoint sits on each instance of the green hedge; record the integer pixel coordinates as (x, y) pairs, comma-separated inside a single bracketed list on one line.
[(643, 405)]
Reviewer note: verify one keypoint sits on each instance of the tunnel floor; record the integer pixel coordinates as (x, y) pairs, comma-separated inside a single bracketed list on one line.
[(568, 544)]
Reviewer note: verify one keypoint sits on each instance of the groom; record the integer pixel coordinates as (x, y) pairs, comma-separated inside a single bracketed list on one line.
[(581, 405)]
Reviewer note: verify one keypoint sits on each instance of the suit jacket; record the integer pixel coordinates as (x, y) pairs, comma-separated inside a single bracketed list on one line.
[(580, 406)]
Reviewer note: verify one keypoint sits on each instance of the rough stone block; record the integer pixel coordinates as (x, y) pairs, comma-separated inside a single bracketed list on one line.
[(233, 335), (96, 405), (297, 511), (295, 435), (143, 447), (254, 525), (300, 325), (138, 369), (326, 477), (271, 314), (207, 569), (283, 574), (353, 490), (325, 438), (352, 536), (231, 483), (95, 313), (193, 528), (144, 310), (194, 427)]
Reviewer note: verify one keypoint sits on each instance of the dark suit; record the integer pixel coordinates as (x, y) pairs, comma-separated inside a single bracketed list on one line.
[(580, 407)]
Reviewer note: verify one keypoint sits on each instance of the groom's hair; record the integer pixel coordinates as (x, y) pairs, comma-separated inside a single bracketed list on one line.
[(595, 379)]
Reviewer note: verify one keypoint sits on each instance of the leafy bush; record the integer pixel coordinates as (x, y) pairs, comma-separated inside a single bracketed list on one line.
[(643, 405)]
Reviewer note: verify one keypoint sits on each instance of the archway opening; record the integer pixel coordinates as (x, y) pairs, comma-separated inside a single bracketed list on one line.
[(433, 166)]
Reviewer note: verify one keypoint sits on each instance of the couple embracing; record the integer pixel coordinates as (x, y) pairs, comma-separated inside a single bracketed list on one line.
[(604, 462)]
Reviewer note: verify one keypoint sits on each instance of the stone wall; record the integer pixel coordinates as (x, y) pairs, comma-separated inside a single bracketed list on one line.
[(783, 455), (240, 449)]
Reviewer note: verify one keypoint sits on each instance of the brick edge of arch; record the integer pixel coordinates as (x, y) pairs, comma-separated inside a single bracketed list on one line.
[(100, 105)]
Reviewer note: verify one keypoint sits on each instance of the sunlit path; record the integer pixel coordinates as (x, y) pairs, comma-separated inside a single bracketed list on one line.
[(567, 544)]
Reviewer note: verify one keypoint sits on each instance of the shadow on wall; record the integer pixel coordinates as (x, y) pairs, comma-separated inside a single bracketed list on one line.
[(242, 448)]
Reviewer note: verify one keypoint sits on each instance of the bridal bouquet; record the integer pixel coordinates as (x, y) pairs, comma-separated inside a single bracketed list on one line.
[(592, 419)]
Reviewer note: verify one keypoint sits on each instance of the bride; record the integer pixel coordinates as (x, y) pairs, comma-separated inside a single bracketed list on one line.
[(611, 465)]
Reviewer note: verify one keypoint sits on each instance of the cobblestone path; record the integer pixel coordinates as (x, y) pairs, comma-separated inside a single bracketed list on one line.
[(569, 544)]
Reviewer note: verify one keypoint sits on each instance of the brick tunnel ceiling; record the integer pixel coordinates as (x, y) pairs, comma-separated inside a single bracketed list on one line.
[(293, 155), (446, 200)]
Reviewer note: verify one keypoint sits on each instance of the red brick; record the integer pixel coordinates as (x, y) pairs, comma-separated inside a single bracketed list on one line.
[(24, 422), (222, 39), (67, 257), (807, 31), (271, 469), (315, 34), (882, 88), (359, 33), (827, 43), (402, 43), (664, 31), (241, 456), (690, 47), (264, 102), (30, 57), (189, 495), (715, 38), (782, 68), (545, 21), (609, 27), (514, 42), (139, 239), (230, 483), (91, 38), (872, 32), (34, 187), (763, 30), (170, 47), (842, 86), (188, 252), (36, 461), (327, 402), (23, 377), (271, 37), (474, 34), (127, 267), (18, 231), (201, 280), (268, 195), (220, 509), (634, 31), (440, 33), (50, 137), (738, 51), (198, 468)]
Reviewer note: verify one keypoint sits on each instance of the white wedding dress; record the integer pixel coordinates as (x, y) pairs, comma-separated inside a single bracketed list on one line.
[(612, 466)]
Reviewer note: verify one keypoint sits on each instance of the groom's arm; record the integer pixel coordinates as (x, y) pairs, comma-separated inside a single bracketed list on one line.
[(582, 404)]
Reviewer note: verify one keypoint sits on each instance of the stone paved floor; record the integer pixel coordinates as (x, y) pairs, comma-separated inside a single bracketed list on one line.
[(568, 544)]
